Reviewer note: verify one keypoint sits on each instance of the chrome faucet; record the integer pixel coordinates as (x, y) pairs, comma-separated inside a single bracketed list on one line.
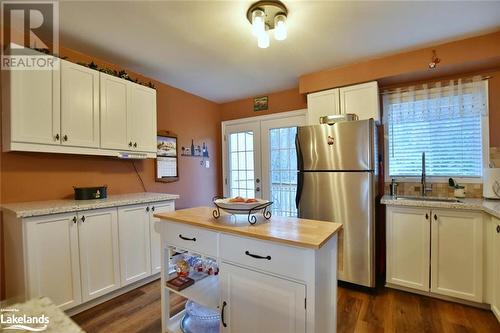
[(423, 182)]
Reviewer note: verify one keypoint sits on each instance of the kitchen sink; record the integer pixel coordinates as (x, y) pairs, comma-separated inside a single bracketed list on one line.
[(435, 199)]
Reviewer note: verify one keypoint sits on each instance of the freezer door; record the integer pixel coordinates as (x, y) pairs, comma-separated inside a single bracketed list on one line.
[(347, 198), (341, 146)]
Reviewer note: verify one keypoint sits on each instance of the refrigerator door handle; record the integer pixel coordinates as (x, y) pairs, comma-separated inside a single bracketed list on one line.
[(299, 153), (300, 183)]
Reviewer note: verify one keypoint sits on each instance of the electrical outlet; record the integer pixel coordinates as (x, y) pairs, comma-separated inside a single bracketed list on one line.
[(207, 164)]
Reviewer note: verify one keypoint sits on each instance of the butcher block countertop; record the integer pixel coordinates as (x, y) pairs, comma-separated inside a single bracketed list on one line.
[(294, 231)]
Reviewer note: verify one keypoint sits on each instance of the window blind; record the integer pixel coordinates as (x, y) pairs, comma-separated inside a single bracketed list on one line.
[(444, 121)]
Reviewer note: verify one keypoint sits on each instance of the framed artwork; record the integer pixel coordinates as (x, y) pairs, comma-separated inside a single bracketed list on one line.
[(261, 103), (167, 158)]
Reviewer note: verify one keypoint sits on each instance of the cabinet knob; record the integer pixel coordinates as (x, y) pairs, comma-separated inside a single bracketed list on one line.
[(83, 218), (74, 219), (498, 229), (57, 137), (147, 209), (435, 217), (65, 138), (130, 144), (426, 216), (135, 144), (153, 208)]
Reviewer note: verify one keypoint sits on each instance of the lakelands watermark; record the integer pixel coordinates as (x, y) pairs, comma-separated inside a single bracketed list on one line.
[(30, 35), (10, 319)]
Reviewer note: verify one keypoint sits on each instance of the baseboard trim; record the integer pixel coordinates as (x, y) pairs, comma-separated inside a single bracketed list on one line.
[(111, 295), (442, 297)]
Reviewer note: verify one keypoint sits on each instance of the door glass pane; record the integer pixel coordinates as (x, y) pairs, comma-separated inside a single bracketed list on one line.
[(283, 170), (241, 157)]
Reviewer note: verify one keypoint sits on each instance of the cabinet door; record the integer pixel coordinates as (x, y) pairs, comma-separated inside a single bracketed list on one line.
[(159, 207), (457, 254), (135, 255), (142, 117), (408, 244), (495, 304), (79, 105), (99, 256), (33, 100), (256, 302), (114, 93), (53, 261), (323, 103), (361, 99)]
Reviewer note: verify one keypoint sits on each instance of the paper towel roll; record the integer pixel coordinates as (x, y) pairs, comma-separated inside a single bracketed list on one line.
[(491, 183)]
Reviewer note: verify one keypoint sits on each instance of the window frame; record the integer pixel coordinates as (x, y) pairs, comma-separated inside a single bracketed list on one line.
[(485, 136)]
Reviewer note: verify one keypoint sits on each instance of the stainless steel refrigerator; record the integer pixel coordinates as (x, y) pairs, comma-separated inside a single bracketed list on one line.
[(336, 182)]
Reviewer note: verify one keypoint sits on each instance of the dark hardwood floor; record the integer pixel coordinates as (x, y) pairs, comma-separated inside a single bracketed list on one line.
[(382, 310)]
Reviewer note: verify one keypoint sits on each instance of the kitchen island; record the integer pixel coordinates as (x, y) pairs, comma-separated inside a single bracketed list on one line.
[(279, 275)]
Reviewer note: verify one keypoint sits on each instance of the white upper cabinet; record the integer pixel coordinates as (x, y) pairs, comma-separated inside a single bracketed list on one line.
[(31, 107), (53, 259), (77, 110), (323, 103), (408, 246), (99, 254), (361, 99), (141, 117), (128, 115), (79, 105), (114, 97)]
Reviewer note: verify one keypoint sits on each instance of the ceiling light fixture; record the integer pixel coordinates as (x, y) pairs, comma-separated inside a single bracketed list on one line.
[(265, 16)]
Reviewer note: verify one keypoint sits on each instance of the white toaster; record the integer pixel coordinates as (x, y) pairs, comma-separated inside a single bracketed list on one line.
[(491, 183)]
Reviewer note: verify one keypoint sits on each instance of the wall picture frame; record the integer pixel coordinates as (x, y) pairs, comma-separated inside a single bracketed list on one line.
[(261, 103), (167, 157)]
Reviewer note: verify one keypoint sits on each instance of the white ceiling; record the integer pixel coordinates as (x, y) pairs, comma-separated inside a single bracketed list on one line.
[(206, 47)]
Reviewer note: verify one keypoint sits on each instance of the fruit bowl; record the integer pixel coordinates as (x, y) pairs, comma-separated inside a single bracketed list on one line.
[(241, 206)]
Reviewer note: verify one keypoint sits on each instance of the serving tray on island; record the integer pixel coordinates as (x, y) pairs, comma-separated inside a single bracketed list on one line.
[(242, 208)]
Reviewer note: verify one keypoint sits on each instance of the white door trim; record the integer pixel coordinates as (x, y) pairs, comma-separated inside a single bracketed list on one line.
[(224, 124)]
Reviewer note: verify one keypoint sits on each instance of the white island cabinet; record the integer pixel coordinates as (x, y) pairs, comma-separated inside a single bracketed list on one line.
[(276, 276)]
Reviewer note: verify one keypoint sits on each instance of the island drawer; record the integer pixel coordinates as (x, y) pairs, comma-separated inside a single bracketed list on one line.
[(191, 238), (279, 259)]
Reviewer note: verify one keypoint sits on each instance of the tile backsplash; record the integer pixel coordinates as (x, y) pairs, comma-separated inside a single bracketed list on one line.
[(442, 189)]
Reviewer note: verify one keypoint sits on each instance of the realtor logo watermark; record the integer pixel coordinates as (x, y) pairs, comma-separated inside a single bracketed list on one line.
[(30, 35), (11, 319)]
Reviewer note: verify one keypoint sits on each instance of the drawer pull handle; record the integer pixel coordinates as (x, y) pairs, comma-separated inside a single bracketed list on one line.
[(257, 256), (222, 314), (498, 229), (186, 238)]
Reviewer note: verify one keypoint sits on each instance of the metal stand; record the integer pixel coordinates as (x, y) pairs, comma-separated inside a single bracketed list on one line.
[(252, 219)]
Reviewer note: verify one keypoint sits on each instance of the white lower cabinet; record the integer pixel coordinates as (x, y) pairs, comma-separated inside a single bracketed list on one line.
[(446, 243), (134, 234), (408, 246), (257, 302), (99, 253), (155, 236), (53, 266), (457, 254), (495, 301)]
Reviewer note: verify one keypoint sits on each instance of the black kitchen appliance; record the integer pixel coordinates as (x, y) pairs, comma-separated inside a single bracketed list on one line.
[(91, 193)]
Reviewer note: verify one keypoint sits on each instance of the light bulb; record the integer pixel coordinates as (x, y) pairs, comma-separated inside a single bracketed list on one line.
[(258, 22), (280, 27), (263, 40)]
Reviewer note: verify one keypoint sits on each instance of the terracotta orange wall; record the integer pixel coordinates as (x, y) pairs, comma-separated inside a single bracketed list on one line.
[(41, 176), (483, 51), (282, 101)]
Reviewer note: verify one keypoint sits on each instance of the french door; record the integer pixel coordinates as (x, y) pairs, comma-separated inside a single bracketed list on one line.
[(260, 160)]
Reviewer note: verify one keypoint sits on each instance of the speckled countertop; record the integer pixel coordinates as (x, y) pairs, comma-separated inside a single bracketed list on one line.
[(491, 207), (38, 208)]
